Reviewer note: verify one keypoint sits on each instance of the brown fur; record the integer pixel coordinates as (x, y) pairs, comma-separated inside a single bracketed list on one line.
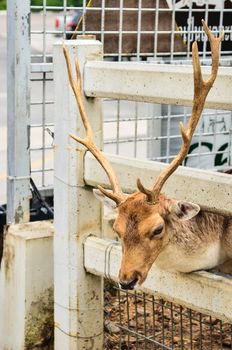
[(137, 219)]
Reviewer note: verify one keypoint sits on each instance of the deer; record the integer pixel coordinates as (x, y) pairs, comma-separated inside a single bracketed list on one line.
[(176, 235)]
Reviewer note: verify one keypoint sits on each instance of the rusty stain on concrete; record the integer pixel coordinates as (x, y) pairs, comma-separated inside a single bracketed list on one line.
[(40, 323), (8, 256)]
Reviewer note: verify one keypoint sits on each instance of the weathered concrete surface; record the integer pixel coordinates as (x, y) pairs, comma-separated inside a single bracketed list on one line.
[(201, 291), (141, 82), (26, 287), (200, 186), (78, 295)]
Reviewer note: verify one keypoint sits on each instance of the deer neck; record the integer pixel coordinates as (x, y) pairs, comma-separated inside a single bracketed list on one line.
[(194, 244)]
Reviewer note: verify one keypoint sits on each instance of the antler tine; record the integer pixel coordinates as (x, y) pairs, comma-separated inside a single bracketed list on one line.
[(201, 89), (117, 195)]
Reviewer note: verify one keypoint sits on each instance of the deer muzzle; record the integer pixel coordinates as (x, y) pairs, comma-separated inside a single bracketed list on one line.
[(128, 285)]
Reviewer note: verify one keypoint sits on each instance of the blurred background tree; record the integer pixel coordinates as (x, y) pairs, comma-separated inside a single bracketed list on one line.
[(56, 2), (2, 4)]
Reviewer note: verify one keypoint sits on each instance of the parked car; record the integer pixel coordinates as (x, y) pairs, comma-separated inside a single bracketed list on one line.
[(72, 20)]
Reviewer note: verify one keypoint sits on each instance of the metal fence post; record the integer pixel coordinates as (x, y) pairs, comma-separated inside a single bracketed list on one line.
[(78, 295), (18, 109)]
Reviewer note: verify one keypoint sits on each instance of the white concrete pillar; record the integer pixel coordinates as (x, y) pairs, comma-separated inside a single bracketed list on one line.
[(26, 287), (78, 295)]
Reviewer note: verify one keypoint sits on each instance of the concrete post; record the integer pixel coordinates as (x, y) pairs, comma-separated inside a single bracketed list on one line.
[(78, 295), (18, 110), (26, 287)]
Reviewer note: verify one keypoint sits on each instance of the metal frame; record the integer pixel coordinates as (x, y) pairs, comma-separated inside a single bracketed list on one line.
[(153, 133), (18, 110)]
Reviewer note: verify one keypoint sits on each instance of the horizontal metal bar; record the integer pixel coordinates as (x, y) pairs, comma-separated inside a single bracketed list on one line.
[(41, 67), (41, 148), (144, 9), (103, 258), (41, 170), (122, 32), (203, 183), (41, 125), (36, 103), (169, 137), (156, 83)]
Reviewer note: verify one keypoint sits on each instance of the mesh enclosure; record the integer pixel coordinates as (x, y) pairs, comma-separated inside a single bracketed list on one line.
[(157, 31), (135, 320)]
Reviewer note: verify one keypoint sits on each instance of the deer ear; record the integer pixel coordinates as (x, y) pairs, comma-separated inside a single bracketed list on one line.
[(109, 203), (186, 210)]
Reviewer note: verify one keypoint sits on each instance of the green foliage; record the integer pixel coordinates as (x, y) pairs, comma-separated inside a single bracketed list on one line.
[(2, 4), (56, 2)]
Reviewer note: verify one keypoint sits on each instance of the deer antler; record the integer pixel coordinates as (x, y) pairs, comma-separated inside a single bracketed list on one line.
[(201, 89), (117, 195)]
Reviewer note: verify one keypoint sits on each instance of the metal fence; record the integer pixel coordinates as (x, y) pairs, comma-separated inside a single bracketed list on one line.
[(136, 320), (160, 31)]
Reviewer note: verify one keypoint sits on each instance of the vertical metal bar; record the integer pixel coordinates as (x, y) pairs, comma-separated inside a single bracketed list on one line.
[(172, 324), (136, 319), (230, 141), (103, 23), (181, 328), (18, 110), (84, 17), (117, 126), (145, 321), (215, 119), (128, 319), (44, 30), (43, 129), (200, 320), (138, 58), (231, 337), (65, 17), (139, 29), (162, 320), (168, 134), (185, 122), (211, 332), (189, 29), (199, 127), (173, 30), (191, 329), (220, 325), (156, 29), (136, 128), (120, 317), (153, 320), (205, 40), (221, 21), (120, 31)]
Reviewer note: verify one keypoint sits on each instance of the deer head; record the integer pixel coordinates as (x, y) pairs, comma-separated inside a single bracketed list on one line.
[(144, 220)]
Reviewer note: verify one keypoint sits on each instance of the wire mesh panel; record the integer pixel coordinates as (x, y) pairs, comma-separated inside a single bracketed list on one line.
[(134, 320), (157, 31)]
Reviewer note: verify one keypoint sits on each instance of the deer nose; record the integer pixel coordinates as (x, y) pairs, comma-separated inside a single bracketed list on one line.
[(131, 285)]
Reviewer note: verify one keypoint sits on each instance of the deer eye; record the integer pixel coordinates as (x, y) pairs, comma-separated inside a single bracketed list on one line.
[(157, 231)]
